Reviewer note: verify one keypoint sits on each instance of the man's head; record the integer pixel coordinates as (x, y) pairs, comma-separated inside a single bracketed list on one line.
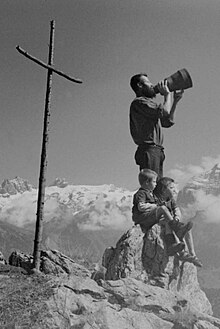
[(147, 178), (166, 189), (142, 86)]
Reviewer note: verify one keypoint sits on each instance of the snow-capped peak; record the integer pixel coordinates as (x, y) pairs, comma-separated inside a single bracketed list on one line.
[(60, 182), (15, 185)]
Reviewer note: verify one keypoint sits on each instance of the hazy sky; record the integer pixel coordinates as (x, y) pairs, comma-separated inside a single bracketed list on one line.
[(104, 42)]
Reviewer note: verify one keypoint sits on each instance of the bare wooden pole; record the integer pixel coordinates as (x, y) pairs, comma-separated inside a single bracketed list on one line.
[(43, 164)]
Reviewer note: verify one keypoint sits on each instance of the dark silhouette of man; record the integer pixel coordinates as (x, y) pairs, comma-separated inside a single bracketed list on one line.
[(147, 119)]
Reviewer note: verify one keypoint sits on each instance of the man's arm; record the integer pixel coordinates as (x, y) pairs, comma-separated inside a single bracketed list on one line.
[(169, 105), (164, 91), (177, 95)]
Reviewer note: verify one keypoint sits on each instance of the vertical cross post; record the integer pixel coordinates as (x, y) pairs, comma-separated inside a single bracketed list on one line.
[(43, 163)]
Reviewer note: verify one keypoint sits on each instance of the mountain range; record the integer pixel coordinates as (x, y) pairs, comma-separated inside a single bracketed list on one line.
[(81, 221)]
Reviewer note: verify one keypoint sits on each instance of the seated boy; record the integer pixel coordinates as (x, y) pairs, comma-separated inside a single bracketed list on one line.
[(166, 193), (146, 212)]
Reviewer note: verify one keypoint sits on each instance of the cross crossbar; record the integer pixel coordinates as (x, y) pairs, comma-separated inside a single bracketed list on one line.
[(47, 66)]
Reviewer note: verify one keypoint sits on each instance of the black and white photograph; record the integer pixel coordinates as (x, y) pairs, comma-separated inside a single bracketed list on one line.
[(110, 164)]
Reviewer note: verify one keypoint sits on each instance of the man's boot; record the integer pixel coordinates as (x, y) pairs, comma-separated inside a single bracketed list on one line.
[(173, 247), (180, 228)]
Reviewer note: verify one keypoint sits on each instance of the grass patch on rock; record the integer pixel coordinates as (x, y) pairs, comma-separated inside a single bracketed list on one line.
[(21, 300)]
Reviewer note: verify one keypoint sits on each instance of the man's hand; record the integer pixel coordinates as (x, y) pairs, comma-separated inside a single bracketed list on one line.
[(177, 95), (163, 88)]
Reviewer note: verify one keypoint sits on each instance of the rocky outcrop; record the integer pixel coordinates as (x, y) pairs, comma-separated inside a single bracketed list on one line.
[(125, 259), (75, 301), (144, 257), (51, 262), (123, 304)]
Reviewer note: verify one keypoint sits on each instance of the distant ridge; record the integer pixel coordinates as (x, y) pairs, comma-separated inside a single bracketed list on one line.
[(209, 182), (15, 185)]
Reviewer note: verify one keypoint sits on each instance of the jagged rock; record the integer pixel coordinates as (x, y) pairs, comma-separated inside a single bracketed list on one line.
[(98, 272), (107, 256), (14, 186), (60, 182), (144, 256), (22, 260), (125, 259), (51, 262), (54, 262), (2, 258)]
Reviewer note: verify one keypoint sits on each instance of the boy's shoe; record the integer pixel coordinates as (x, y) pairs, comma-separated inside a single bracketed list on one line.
[(186, 257), (175, 248), (196, 261), (180, 228)]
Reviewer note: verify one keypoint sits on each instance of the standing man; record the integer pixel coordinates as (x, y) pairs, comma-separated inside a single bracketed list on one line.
[(147, 119)]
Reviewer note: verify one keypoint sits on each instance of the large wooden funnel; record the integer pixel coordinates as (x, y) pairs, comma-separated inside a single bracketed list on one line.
[(178, 81)]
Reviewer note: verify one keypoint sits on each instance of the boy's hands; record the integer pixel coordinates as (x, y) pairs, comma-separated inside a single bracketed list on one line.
[(161, 203), (146, 206)]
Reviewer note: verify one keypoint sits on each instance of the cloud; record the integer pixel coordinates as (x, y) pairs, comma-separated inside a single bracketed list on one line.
[(20, 210), (96, 221), (207, 204), (100, 211), (183, 173), (114, 214), (211, 206)]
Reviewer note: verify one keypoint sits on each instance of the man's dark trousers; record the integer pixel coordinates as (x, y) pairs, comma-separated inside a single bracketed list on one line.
[(150, 156)]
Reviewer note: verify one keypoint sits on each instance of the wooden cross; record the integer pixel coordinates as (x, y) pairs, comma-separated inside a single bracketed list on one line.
[(43, 163)]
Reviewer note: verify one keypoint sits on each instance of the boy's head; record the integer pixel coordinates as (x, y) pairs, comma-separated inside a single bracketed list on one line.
[(142, 86), (166, 188), (147, 178)]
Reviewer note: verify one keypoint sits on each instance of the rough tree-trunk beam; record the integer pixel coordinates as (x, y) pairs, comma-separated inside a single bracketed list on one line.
[(34, 59)]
